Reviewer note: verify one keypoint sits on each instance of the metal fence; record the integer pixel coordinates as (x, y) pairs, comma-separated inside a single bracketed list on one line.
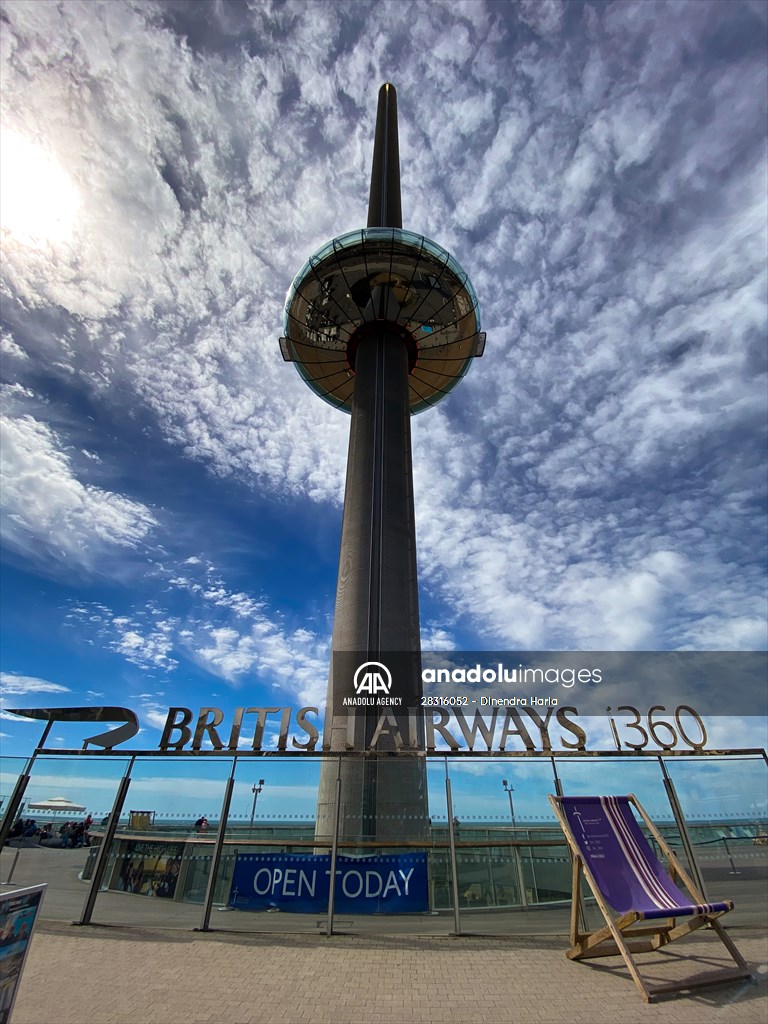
[(493, 857)]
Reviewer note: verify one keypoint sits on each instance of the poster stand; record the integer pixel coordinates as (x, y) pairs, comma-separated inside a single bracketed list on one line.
[(19, 910)]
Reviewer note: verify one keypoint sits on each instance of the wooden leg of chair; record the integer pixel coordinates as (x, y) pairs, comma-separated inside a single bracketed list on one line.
[(615, 928), (728, 943), (698, 981), (575, 900), (588, 941), (627, 957), (687, 926), (591, 940)]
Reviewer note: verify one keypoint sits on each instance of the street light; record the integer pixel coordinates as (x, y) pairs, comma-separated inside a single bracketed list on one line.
[(509, 790), (255, 790)]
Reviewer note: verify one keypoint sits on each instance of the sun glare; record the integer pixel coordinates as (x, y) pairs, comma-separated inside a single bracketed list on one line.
[(38, 200)]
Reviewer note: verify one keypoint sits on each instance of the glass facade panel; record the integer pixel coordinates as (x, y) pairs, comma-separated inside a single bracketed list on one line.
[(159, 860), (351, 238), (57, 847), (10, 770), (512, 857), (725, 804), (614, 776), (270, 837), (403, 858), (402, 870)]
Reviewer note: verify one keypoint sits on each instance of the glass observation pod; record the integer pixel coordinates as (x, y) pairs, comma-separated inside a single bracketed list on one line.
[(382, 274)]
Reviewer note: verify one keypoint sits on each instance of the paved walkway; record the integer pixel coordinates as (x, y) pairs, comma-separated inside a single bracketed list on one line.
[(113, 975)]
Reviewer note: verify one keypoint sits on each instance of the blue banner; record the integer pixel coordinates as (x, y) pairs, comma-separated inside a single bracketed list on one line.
[(395, 884)]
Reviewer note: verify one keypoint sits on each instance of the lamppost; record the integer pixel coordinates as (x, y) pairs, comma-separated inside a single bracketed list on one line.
[(255, 790), (509, 790)]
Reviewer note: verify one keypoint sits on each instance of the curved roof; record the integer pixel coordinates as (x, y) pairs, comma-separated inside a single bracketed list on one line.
[(383, 274)]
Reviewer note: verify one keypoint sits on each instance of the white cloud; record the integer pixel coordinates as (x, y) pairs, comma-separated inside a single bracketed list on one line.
[(436, 638), (230, 653), (543, 16), (153, 713), (295, 661), (9, 348), (150, 649), (246, 641), (46, 508), (16, 684)]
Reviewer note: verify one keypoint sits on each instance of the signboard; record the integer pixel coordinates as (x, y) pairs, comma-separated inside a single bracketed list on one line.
[(18, 913), (450, 726), (395, 884), (147, 868)]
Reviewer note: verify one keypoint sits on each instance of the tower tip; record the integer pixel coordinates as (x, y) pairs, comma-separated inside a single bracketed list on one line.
[(384, 199)]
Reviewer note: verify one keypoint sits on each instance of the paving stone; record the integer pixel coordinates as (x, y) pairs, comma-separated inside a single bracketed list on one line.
[(132, 976)]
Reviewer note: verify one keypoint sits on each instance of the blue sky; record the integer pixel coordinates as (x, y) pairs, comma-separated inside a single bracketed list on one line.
[(172, 491)]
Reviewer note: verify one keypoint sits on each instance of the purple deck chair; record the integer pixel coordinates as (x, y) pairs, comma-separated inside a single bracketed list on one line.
[(628, 880)]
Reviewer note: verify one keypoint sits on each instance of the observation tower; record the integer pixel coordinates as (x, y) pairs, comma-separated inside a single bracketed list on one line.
[(381, 323)]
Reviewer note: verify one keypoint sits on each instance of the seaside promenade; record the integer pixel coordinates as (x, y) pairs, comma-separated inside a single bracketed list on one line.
[(142, 962), (118, 975)]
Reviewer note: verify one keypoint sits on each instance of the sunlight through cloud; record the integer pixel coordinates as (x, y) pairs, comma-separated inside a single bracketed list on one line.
[(38, 200)]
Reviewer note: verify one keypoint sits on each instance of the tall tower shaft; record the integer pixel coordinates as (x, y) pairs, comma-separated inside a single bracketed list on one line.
[(382, 323)]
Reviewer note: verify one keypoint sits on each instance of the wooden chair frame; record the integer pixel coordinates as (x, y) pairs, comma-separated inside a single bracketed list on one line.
[(619, 937)]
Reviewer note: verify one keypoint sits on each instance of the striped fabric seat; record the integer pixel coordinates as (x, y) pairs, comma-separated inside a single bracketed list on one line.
[(625, 867)]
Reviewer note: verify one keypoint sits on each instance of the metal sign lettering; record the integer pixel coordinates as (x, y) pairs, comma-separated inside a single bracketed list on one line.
[(108, 739), (499, 729)]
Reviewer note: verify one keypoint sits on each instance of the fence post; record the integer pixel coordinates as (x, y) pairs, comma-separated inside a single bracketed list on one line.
[(452, 845), (582, 905), (734, 870), (334, 851), (106, 845), (217, 848), (677, 812)]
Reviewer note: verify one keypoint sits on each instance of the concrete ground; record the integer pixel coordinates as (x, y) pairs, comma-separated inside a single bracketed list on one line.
[(141, 962), (116, 975)]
